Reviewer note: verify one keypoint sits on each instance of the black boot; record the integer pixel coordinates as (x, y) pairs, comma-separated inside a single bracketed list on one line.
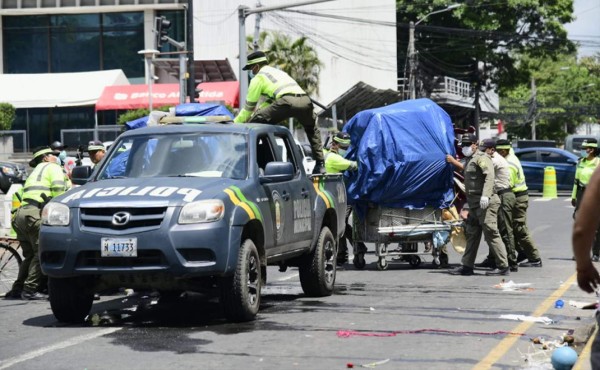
[(319, 168)]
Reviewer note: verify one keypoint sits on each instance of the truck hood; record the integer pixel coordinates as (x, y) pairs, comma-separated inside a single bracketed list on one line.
[(163, 191)]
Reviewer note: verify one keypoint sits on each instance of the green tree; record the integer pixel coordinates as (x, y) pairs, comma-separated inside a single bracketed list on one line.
[(567, 95), (295, 57), (7, 115), (494, 32)]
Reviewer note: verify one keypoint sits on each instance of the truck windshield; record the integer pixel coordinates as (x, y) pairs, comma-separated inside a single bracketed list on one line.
[(173, 155)]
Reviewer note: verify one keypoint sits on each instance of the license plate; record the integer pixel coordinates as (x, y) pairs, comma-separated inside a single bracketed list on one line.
[(118, 247)]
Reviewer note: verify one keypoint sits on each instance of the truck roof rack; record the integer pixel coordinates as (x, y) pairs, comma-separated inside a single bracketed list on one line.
[(178, 120)]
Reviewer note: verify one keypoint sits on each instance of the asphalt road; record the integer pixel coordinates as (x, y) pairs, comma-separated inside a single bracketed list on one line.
[(406, 318)]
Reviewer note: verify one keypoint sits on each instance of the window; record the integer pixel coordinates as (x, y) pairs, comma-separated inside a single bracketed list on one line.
[(286, 150), (551, 157), (264, 152), (528, 156)]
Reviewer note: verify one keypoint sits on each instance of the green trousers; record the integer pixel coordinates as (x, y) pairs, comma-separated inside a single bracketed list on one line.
[(523, 241), (300, 108), (505, 225), (484, 221), (27, 225)]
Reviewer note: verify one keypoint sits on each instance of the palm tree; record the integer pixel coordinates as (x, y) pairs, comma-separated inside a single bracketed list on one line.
[(296, 58)]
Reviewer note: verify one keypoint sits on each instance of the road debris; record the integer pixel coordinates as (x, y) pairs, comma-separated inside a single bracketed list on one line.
[(542, 319)]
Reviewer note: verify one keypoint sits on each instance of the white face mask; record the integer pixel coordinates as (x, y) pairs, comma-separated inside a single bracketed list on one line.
[(583, 153), (467, 151), (342, 152), (251, 74)]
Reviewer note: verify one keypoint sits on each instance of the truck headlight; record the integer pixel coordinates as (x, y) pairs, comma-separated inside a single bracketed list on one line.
[(8, 171), (201, 211), (56, 214)]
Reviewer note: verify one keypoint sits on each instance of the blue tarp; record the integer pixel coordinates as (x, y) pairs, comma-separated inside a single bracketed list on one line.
[(401, 150), (186, 110)]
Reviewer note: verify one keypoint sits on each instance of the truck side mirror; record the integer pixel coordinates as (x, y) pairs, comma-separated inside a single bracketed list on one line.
[(277, 172), (81, 174)]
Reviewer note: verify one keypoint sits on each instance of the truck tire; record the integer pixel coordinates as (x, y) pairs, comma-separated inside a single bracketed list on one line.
[(317, 273), (240, 293), (70, 300)]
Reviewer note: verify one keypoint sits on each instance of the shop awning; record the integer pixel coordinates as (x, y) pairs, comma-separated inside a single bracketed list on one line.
[(48, 90), (126, 97), (224, 92)]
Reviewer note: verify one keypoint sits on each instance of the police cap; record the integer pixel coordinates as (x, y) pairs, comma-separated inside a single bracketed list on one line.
[(468, 139), (255, 58), (342, 139), (589, 143)]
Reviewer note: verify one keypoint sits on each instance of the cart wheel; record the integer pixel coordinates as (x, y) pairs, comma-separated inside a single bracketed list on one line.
[(359, 261), (415, 261), (382, 264)]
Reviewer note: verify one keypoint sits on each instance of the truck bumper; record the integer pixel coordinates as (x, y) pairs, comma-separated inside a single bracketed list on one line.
[(180, 251)]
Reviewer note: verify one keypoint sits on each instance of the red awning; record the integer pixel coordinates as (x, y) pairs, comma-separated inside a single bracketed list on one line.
[(136, 96), (226, 92)]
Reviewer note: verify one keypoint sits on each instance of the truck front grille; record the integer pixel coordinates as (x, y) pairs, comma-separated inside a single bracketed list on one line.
[(113, 220)]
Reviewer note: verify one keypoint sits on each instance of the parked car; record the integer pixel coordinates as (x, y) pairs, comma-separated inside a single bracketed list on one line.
[(11, 173), (535, 160)]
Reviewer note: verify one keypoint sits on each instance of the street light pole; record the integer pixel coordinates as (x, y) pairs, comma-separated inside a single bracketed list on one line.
[(412, 67)]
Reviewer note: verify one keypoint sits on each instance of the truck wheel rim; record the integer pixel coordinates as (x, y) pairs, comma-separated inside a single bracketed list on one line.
[(329, 254), (253, 280)]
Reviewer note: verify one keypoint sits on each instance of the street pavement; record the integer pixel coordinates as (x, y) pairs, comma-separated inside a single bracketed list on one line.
[(404, 317)]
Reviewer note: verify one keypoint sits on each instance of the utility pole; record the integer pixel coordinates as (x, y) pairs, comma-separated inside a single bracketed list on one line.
[(476, 111), (411, 60), (191, 77), (533, 109), (243, 12)]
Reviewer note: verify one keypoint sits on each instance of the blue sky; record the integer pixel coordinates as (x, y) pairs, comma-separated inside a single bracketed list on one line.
[(586, 27)]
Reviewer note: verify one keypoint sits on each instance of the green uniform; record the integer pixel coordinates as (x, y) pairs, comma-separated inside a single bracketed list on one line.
[(46, 181), (479, 182), (335, 163), (523, 240), (585, 169), (503, 187), (283, 98)]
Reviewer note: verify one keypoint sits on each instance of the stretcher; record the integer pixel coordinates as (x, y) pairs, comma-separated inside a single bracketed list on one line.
[(407, 235)]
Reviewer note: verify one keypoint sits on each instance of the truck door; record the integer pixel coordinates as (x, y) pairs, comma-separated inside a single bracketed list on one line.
[(279, 195), (301, 191)]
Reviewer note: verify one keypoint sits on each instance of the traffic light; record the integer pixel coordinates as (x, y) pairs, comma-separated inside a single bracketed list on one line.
[(161, 29)]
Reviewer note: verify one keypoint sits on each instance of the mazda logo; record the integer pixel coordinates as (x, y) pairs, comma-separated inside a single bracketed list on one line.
[(121, 218)]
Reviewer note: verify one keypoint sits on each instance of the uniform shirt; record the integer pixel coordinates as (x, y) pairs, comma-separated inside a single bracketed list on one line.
[(270, 83), (584, 171), (47, 178), (479, 177), (335, 163), (517, 176), (501, 171)]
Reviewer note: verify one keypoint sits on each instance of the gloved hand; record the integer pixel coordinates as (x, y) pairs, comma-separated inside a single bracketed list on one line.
[(484, 202), (573, 202)]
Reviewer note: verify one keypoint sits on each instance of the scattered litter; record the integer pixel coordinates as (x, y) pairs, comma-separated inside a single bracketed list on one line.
[(373, 364), (559, 303), (584, 305), (371, 308), (542, 319), (511, 286)]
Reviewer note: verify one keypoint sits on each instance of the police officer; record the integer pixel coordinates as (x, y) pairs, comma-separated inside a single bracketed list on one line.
[(336, 163), (586, 166), (503, 188), (483, 209), (516, 222), (284, 99), (96, 151), (45, 182)]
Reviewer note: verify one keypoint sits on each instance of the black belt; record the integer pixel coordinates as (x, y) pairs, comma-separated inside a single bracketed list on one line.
[(504, 191), (520, 193), (31, 202), (294, 95)]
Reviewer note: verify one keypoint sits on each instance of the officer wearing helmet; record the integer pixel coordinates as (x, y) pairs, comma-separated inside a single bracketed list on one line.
[(336, 163), (57, 146)]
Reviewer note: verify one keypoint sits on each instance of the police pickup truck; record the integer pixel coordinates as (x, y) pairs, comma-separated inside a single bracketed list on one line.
[(192, 207)]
